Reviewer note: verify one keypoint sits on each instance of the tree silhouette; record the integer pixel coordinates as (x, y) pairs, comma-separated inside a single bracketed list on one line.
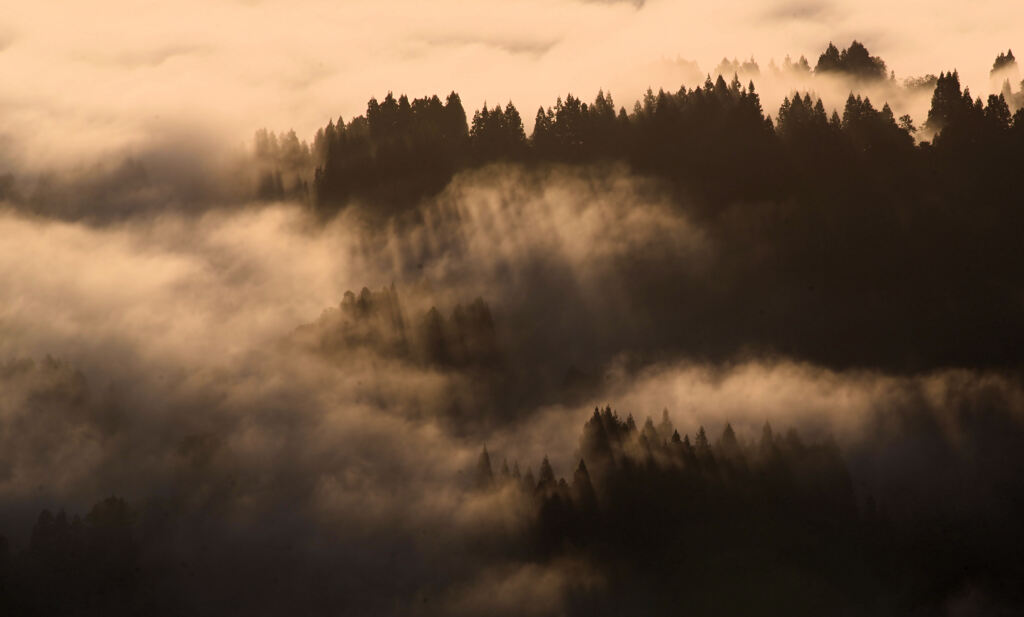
[(484, 478), (854, 61)]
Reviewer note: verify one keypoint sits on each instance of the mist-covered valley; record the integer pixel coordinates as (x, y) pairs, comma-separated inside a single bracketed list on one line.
[(703, 354)]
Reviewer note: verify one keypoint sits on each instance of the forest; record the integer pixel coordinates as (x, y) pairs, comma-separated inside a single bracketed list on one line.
[(799, 331), (877, 229), (713, 142), (774, 525)]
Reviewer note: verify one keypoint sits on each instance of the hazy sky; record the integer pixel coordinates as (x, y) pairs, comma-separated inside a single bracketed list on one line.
[(83, 78)]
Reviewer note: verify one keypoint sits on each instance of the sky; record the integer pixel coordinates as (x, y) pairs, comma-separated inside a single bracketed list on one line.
[(81, 80)]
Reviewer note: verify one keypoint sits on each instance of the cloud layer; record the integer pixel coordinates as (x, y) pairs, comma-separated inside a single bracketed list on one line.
[(86, 80)]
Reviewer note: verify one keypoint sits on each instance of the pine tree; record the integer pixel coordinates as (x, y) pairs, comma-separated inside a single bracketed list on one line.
[(582, 488), (729, 446), (546, 476), (702, 446), (665, 428), (828, 61), (484, 477)]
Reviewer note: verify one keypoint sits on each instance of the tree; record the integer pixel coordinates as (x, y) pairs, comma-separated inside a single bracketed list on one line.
[(665, 428), (1003, 62), (582, 488), (497, 133), (828, 61), (454, 118), (997, 112), (947, 103), (858, 62), (484, 476), (701, 445), (854, 61), (729, 447), (546, 477)]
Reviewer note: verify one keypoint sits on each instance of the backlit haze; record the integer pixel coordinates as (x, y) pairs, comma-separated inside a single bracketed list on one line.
[(81, 79)]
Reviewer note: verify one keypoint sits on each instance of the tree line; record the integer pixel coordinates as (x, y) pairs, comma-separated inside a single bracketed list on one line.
[(774, 525), (715, 139), (76, 565), (850, 237), (377, 321)]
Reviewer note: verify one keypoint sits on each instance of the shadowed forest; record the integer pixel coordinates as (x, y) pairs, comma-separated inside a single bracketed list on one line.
[(647, 520), (803, 328), (869, 232)]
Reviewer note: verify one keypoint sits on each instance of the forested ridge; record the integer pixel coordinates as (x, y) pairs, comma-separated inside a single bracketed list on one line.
[(713, 141), (872, 234)]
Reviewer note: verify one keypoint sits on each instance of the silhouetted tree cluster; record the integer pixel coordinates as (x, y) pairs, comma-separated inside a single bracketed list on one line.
[(1005, 67), (923, 82), (283, 163), (982, 138), (747, 68), (466, 338), (497, 134), (766, 524), (800, 66), (377, 321), (76, 566), (372, 319), (395, 154), (1004, 61), (866, 217), (769, 526), (713, 140), (574, 131), (695, 136), (854, 61)]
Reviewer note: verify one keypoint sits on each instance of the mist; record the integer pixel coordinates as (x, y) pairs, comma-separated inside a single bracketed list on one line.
[(110, 78), (192, 363), (744, 339)]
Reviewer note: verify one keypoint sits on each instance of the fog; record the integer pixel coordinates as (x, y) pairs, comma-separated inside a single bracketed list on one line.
[(780, 365), (161, 358), (110, 77)]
